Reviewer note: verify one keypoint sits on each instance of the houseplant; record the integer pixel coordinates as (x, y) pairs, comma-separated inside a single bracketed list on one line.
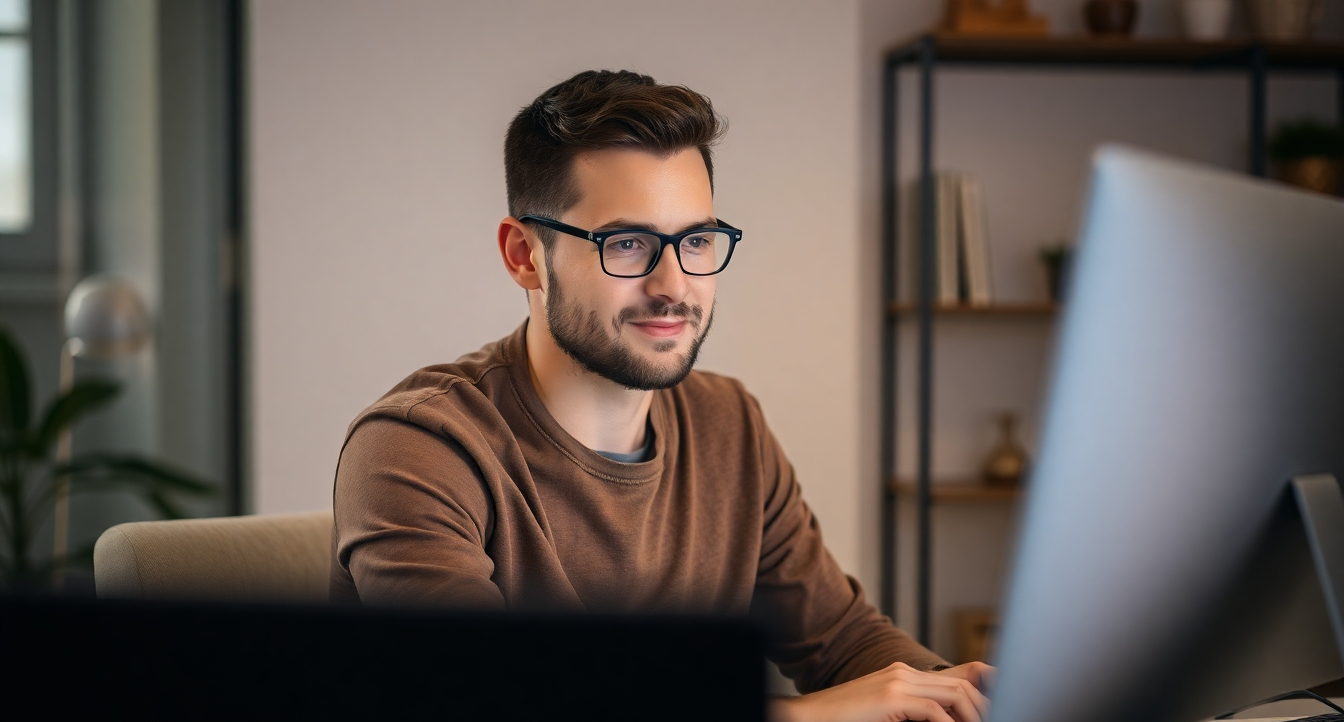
[(29, 473), (1308, 154), (1056, 259)]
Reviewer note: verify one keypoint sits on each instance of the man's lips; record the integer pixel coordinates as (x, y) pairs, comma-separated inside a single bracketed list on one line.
[(661, 328)]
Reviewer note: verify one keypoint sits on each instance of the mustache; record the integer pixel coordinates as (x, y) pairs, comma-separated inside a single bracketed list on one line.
[(656, 310)]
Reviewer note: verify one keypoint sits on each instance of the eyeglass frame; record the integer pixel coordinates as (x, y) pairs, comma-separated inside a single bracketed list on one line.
[(600, 237)]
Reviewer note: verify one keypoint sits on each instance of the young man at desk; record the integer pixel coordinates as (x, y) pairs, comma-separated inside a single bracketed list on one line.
[(580, 464)]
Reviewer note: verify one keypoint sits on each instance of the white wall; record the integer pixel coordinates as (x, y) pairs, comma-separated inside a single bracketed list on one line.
[(377, 185)]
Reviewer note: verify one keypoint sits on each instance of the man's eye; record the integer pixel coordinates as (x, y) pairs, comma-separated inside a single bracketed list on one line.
[(697, 243), (627, 245)]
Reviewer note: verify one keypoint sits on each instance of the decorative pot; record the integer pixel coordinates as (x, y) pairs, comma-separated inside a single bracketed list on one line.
[(1111, 17), (1007, 463), (1284, 20), (1206, 19), (1314, 173)]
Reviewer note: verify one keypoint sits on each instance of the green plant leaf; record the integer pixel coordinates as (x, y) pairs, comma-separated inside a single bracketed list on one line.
[(15, 391), (167, 508), (80, 399), (132, 466), (1306, 138)]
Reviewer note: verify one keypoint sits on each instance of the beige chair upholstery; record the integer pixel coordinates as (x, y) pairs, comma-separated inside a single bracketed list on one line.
[(282, 557)]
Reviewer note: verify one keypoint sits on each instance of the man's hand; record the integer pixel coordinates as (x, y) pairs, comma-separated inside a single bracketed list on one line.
[(977, 673), (898, 692)]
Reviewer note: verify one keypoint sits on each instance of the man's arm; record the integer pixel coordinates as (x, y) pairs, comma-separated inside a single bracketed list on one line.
[(854, 663), (412, 518), (823, 631)]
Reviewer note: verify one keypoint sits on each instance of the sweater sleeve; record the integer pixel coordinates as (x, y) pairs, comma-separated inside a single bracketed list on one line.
[(822, 630), (411, 519)]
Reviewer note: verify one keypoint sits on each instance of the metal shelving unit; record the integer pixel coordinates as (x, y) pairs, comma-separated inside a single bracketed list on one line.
[(927, 54)]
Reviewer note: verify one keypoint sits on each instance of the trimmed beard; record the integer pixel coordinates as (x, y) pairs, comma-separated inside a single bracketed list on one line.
[(580, 336)]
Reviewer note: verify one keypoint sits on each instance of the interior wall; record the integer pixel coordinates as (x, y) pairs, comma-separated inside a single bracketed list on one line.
[(377, 185)]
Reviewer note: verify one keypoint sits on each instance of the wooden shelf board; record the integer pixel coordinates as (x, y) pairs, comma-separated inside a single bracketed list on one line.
[(1030, 308), (1082, 50), (953, 491)]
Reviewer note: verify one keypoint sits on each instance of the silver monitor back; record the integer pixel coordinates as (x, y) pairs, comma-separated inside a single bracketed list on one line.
[(1162, 572)]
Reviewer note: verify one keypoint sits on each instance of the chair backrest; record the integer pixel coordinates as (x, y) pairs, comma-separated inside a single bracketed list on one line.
[(281, 557)]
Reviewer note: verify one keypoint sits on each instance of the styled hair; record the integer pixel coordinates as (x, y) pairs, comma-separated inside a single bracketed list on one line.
[(595, 110)]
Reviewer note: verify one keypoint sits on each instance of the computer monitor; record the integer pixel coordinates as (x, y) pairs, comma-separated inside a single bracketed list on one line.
[(1163, 571), (166, 659)]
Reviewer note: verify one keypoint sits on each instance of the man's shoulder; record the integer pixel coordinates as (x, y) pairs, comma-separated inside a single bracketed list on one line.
[(710, 384), (707, 392), (431, 395)]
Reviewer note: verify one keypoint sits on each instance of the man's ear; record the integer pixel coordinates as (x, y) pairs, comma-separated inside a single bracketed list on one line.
[(517, 247)]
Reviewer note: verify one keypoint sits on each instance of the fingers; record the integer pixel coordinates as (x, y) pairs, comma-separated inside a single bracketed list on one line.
[(929, 711), (987, 676), (978, 673), (958, 699), (897, 692), (953, 692)]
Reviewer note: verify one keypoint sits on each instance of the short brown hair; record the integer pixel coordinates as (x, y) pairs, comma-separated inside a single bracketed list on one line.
[(594, 110)]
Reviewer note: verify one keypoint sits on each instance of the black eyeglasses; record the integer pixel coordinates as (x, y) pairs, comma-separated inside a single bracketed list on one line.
[(635, 253)]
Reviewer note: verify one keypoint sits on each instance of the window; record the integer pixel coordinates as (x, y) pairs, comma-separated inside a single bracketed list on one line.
[(27, 136)]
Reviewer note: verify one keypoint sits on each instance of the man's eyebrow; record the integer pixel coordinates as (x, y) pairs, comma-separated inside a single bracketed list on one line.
[(624, 224)]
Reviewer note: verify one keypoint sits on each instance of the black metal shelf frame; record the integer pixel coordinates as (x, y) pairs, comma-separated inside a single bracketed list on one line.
[(1256, 60)]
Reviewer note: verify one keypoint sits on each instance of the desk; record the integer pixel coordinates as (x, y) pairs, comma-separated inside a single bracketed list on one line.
[(1287, 710)]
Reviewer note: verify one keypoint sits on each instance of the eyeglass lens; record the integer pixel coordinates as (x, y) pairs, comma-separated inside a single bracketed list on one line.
[(631, 254)]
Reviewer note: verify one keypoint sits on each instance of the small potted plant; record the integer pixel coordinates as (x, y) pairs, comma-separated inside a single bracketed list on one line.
[(1308, 153), (1056, 260), (30, 473)]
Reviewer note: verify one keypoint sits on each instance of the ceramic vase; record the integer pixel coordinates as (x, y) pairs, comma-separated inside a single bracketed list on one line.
[(1007, 463), (1114, 18), (1313, 173), (1284, 20), (1206, 19)]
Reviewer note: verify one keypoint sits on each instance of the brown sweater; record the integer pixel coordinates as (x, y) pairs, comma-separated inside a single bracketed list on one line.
[(458, 488)]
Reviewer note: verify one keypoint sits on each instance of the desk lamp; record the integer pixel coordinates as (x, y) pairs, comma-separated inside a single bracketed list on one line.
[(104, 318)]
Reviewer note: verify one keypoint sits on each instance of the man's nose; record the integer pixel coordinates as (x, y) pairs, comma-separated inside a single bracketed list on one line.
[(667, 281)]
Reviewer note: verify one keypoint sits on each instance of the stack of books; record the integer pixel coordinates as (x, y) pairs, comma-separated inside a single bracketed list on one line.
[(963, 251)]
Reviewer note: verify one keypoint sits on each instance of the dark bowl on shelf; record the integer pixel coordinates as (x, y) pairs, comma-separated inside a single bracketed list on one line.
[(1111, 17)]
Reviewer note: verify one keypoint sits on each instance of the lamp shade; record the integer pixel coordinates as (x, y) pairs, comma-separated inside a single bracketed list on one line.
[(107, 316)]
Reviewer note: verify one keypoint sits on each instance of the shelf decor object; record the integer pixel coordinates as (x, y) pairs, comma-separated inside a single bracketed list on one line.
[(1308, 154), (1284, 20), (1114, 18), (1206, 19), (1010, 18), (1253, 60), (977, 634), (1007, 462)]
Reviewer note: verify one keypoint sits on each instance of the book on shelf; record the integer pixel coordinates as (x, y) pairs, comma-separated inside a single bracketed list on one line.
[(974, 245), (948, 234), (961, 246)]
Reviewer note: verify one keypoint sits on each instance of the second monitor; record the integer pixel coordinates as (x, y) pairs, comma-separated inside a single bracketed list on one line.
[(1163, 572)]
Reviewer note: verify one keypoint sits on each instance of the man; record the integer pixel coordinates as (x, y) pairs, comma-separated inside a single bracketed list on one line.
[(579, 463)]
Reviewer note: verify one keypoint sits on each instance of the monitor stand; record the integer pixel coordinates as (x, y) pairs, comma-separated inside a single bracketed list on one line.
[(1322, 507)]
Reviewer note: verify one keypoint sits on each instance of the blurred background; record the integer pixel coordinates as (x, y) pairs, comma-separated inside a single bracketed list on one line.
[(305, 194)]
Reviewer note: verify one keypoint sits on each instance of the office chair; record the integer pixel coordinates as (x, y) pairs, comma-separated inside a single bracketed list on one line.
[(280, 557)]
